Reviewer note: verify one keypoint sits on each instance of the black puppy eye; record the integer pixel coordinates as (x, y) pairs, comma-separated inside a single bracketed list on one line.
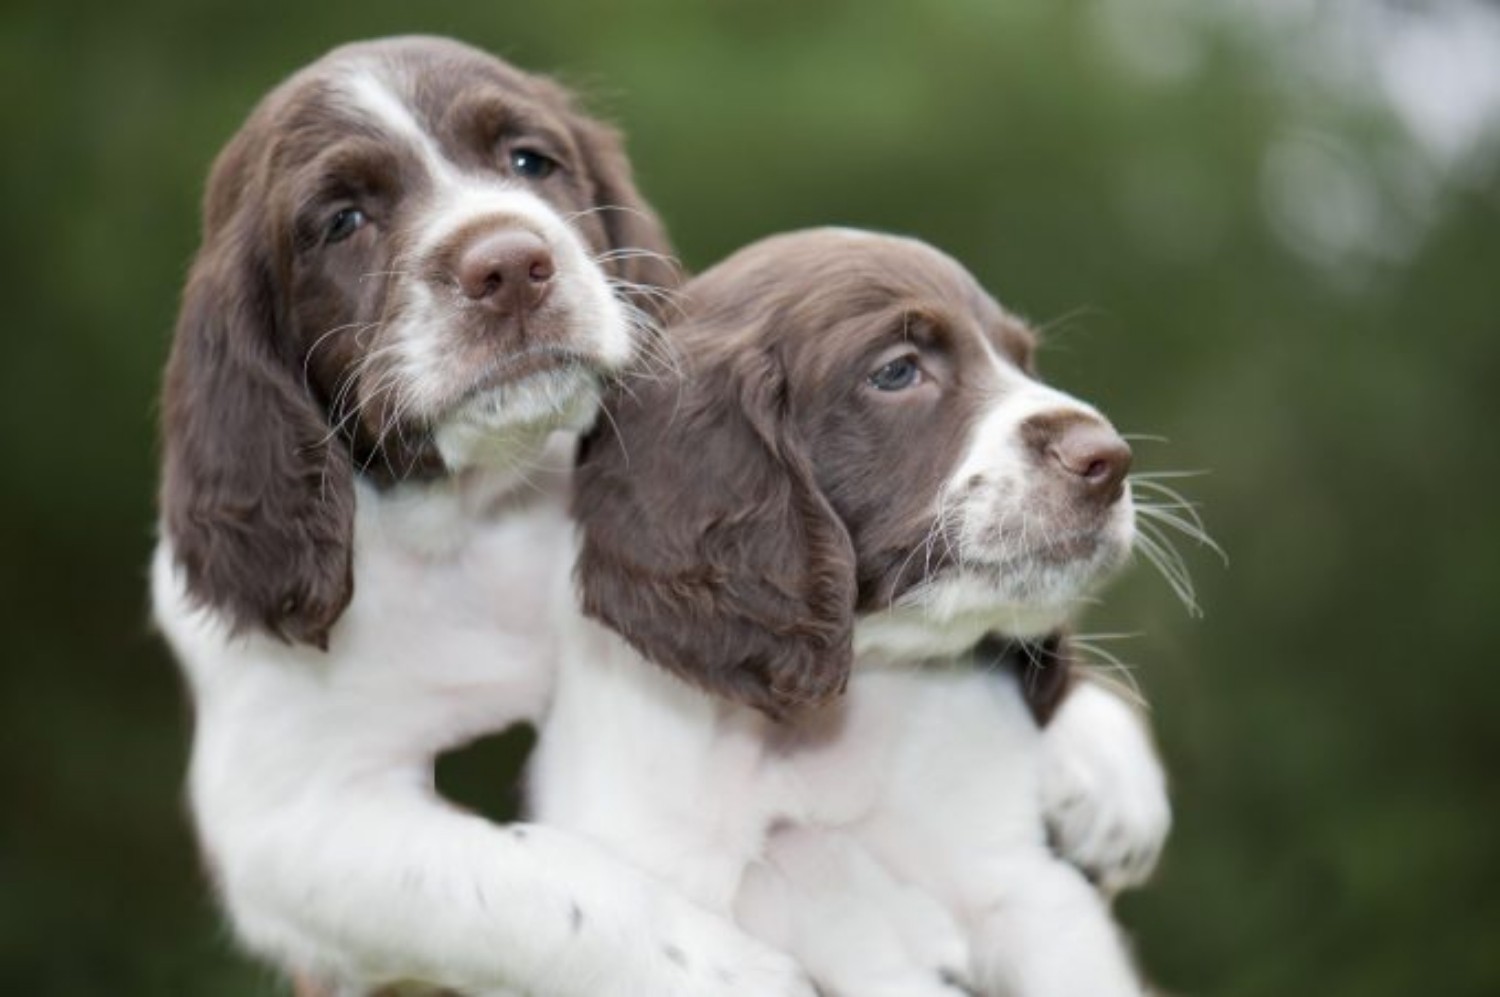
[(531, 164), (898, 375), (344, 224)]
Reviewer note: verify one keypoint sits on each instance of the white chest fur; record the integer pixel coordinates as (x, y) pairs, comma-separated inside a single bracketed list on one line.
[(310, 777), (447, 636), (906, 821)]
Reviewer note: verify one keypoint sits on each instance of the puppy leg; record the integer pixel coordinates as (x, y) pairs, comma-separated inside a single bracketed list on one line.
[(1103, 789), (1048, 933), (962, 818), (822, 897), (389, 885)]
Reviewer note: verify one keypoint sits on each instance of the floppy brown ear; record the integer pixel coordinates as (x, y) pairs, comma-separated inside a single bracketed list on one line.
[(707, 543), (257, 498), (639, 251)]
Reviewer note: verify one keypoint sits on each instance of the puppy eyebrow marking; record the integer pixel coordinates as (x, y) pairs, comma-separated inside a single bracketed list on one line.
[(369, 91)]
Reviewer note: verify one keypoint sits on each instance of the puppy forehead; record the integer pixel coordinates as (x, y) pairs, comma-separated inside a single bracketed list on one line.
[(426, 74), (376, 95), (403, 91), (833, 275), (868, 266)]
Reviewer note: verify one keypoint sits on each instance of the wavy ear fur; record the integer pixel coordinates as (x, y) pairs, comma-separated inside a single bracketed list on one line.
[(257, 499), (707, 543)]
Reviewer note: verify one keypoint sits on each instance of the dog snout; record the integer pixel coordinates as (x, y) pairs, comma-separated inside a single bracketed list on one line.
[(1086, 451), (507, 271)]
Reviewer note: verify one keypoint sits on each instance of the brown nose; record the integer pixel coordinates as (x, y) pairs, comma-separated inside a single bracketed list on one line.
[(509, 271), (1097, 458), (1089, 453)]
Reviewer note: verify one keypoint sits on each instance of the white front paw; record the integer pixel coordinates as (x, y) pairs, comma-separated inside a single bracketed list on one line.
[(1104, 790), (934, 941), (705, 956)]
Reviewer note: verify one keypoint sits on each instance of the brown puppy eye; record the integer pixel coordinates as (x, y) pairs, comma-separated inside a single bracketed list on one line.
[(344, 224), (898, 375), (531, 164)]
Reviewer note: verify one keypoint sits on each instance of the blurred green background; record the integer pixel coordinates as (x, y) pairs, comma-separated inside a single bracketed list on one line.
[(1269, 233)]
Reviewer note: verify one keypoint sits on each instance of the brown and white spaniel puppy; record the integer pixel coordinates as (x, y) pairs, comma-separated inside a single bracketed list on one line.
[(857, 479), (418, 265)]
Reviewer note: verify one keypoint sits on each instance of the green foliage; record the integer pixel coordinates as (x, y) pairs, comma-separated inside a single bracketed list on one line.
[(1328, 722)]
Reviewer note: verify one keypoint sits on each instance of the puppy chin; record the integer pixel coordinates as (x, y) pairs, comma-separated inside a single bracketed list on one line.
[(1026, 596), (947, 618), (504, 425), (1048, 583)]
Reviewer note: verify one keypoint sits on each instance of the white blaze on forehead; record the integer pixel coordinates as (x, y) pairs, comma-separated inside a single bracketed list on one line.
[(371, 91), (461, 197), (996, 449)]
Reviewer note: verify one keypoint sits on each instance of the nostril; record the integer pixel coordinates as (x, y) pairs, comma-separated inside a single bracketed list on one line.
[(506, 270), (1095, 456), (1098, 470)]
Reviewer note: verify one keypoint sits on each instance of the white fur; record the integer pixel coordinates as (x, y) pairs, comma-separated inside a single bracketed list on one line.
[(896, 841), (1105, 796), (928, 782), (311, 787)]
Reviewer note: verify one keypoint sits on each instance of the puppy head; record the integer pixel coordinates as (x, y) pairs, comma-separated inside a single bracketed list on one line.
[(413, 256), (857, 434)]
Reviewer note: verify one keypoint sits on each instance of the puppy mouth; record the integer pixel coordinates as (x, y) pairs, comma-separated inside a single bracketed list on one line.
[(544, 367), (512, 400), (1074, 559), (1067, 537)]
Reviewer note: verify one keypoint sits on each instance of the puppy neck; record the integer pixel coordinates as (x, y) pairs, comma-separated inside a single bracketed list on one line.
[(433, 517), (946, 621)]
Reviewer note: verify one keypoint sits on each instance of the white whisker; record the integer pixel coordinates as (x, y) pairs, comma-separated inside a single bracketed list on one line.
[(1108, 667)]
